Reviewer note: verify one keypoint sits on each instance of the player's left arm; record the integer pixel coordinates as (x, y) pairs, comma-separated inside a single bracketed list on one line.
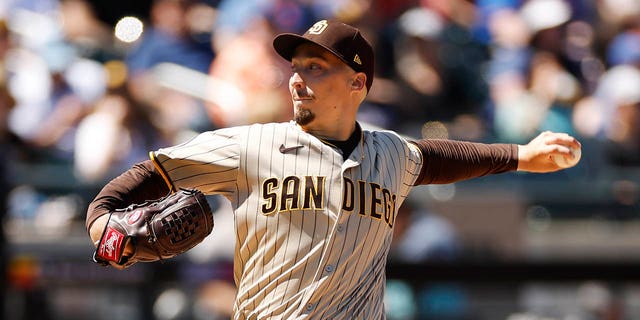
[(448, 161)]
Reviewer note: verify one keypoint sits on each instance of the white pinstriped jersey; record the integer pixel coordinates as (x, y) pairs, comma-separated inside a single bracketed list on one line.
[(313, 231)]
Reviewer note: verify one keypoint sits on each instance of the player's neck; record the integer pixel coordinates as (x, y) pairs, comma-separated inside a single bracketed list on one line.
[(335, 132), (347, 146)]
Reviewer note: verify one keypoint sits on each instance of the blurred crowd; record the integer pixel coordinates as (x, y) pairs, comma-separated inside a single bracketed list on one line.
[(489, 70), (77, 93)]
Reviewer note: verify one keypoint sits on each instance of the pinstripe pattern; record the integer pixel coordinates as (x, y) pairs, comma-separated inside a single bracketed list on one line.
[(313, 231)]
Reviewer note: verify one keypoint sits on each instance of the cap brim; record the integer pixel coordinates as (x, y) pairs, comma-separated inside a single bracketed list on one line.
[(286, 43)]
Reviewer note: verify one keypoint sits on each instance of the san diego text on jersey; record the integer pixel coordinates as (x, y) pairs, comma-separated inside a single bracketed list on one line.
[(294, 193)]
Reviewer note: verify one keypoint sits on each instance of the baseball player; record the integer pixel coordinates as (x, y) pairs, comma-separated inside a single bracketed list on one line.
[(315, 199)]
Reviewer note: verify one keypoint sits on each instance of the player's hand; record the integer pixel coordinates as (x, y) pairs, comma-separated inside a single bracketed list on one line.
[(537, 155), (96, 233), (97, 228)]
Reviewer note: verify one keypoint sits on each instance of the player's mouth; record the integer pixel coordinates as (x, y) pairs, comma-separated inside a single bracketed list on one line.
[(301, 98), (300, 95)]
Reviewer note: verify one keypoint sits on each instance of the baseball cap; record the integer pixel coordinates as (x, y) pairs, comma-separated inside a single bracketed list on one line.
[(344, 41)]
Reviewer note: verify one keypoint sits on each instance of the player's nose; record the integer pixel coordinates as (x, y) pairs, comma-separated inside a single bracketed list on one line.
[(296, 81)]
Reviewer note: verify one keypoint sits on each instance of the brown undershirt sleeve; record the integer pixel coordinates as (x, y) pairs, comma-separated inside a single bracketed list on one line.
[(140, 183), (448, 161)]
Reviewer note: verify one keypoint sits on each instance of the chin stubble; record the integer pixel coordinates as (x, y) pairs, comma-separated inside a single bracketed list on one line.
[(303, 117)]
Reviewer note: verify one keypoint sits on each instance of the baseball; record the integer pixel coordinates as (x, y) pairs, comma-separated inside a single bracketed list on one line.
[(566, 162)]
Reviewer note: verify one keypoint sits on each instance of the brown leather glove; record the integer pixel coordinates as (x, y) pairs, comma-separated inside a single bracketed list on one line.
[(156, 230)]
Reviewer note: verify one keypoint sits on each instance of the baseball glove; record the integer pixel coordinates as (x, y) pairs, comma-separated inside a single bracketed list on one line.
[(155, 230)]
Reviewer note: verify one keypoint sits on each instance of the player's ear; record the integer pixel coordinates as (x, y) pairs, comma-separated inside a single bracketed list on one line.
[(358, 81)]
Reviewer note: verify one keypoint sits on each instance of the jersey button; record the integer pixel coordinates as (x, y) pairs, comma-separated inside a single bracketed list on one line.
[(310, 306), (328, 268), (340, 228)]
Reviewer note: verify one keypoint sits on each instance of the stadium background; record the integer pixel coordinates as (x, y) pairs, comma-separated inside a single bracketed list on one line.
[(79, 104)]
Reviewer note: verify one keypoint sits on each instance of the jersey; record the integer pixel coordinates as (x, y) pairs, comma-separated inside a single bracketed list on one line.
[(312, 230)]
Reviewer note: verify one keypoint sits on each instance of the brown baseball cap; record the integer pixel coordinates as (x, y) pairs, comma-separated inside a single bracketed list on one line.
[(343, 40)]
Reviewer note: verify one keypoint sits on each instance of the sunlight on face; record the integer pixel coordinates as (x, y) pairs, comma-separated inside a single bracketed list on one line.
[(319, 84)]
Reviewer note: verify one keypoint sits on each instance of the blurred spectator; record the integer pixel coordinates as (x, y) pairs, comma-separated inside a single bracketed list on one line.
[(29, 81), (598, 302), (73, 92), (115, 135), (612, 114), (435, 74), (237, 17), (249, 81), (90, 37), (6, 103), (171, 38), (616, 15), (52, 83), (514, 112), (553, 84), (463, 88), (531, 84), (417, 64), (625, 47), (421, 236)]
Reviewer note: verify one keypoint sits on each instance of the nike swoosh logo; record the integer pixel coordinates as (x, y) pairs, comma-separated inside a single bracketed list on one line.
[(284, 149)]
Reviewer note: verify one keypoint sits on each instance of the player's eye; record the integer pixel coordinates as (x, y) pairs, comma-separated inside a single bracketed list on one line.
[(306, 67)]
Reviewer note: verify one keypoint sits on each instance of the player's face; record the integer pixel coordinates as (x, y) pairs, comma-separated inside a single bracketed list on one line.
[(320, 85)]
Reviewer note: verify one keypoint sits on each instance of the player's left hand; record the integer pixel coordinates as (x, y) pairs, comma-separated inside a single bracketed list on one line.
[(537, 155)]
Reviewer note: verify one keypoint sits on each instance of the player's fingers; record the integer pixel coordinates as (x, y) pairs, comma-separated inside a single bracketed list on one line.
[(563, 139), (129, 249), (97, 228), (564, 152), (117, 266), (560, 142)]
